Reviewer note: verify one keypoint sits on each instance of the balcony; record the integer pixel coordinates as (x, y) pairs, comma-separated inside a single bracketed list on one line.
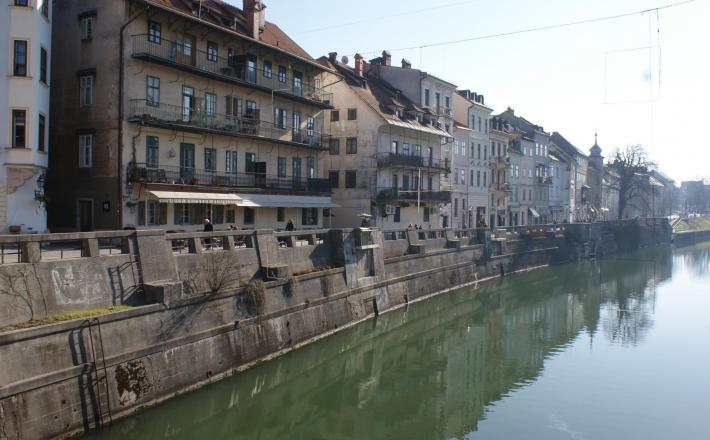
[(389, 195), (175, 175), (417, 162), (247, 126), (543, 180), (234, 69), (500, 163), (501, 189)]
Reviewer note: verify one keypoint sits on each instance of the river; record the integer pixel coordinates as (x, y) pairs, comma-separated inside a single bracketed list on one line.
[(611, 349)]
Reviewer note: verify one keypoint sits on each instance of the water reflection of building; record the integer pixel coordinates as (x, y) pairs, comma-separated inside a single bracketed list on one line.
[(426, 372)]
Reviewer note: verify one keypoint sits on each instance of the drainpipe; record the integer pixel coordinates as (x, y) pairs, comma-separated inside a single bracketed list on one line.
[(119, 200)]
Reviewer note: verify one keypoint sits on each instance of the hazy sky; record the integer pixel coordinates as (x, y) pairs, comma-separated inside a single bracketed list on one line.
[(575, 80)]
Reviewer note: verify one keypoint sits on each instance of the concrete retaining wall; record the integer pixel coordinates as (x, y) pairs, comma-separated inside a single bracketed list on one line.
[(48, 375)]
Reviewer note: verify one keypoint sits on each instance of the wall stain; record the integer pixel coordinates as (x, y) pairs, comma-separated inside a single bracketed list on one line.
[(132, 382)]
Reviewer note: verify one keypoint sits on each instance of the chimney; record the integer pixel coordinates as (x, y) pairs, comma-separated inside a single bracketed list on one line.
[(333, 57), (255, 17), (358, 64), (406, 64), (386, 58)]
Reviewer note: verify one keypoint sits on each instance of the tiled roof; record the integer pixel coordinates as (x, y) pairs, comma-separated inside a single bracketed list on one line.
[(232, 19), (564, 144)]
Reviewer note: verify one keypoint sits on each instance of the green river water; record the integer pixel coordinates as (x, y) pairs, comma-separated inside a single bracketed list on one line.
[(548, 354)]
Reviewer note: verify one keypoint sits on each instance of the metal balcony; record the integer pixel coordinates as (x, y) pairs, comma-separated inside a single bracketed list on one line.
[(198, 119), (414, 162), (189, 176), (389, 195), (500, 163), (234, 69)]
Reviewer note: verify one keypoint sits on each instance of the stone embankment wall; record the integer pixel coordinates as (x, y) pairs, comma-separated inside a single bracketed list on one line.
[(214, 303), (684, 238)]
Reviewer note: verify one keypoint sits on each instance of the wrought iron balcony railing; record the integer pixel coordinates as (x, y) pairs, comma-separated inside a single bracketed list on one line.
[(387, 195), (199, 119), (186, 175), (238, 69), (412, 161)]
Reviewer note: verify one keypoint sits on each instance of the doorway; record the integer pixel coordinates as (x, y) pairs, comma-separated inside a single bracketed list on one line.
[(85, 215)]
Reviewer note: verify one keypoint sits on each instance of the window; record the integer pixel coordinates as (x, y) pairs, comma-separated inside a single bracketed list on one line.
[(463, 177), (350, 179), (233, 106), (310, 125), (352, 114), (395, 147), (251, 68), (87, 28), (398, 214), (280, 214), (405, 182), (212, 51), (280, 118), (21, 3), (470, 179), (351, 146), (485, 152), (430, 183), (418, 150), (334, 178), (151, 152), (426, 214), (210, 104), (154, 34), (334, 146), (405, 149), (478, 178), (334, 115), (250, 162), (20, 58), (85, 143), (310, 169), (230, 162), (281, 167), (297, 83), (282, 74), (230, 215), (456, 207), (479, 124), (152, 92), (267, 69), (437, 98), (19, 125), (456, 176), (248, 216), (41, 133), (210, 159), (309, 216), (43, 65), (86, 87), (447, 102), (296, 123), (250, 109), (426, 97)]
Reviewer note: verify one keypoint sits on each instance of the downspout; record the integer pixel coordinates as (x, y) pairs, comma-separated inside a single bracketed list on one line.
[(119, 199)]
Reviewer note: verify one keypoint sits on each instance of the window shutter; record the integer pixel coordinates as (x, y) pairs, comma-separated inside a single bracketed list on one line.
[(163, 214), (141, 214), (228, 102), (177, 213)]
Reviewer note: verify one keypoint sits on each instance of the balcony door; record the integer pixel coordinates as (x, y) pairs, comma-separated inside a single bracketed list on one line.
[(187, 162), (188, 96), (297, 88), (185, 49)]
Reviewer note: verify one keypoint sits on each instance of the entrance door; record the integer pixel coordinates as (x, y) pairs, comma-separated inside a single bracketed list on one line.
[(187, 162), (188, 94), (85, 214)]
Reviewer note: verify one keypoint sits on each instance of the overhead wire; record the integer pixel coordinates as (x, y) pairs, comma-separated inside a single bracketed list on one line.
[(541, 28)]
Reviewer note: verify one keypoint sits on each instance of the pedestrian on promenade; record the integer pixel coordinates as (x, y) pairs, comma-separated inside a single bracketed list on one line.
[(289, 225)]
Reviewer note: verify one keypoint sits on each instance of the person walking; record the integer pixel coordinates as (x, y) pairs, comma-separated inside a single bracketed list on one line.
[(289, 225), (207, 228)]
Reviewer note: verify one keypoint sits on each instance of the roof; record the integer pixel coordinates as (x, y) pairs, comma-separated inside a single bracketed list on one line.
[(520, 123), (381, 97), (564, 144), (231, 19)]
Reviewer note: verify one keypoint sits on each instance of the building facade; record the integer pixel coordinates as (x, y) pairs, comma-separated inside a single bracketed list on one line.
[(25, 55), (385, 157), (172, 112), (579, 204)]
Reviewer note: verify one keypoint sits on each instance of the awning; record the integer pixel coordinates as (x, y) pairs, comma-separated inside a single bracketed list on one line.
[(281, 201), (534, 213), (196, 197), (422, 128)]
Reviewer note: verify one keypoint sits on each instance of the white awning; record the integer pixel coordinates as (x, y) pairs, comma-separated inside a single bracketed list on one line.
[(282, 201), (196, 197), (534, 213), (422, 128)]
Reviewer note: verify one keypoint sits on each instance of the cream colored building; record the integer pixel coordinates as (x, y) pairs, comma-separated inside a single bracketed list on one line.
[(25, 48), (212, 112), (385, 155)]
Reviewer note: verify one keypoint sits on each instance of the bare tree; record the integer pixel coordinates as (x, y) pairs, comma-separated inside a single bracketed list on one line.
[(631, 166), (21, 285)]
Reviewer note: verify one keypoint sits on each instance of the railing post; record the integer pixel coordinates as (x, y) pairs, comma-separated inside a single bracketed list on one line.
[(90, 246), (30, 252)]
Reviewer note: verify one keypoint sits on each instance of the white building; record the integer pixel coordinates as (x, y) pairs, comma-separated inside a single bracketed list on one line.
[(25, 32)]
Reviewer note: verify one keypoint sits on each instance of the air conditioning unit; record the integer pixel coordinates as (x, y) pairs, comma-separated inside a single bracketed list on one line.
[(389, 210)]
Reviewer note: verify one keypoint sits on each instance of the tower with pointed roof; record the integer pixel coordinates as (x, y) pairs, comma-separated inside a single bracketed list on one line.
[(595, 173)]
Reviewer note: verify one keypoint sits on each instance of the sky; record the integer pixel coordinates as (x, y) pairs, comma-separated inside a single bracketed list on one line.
[(640, 79)]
